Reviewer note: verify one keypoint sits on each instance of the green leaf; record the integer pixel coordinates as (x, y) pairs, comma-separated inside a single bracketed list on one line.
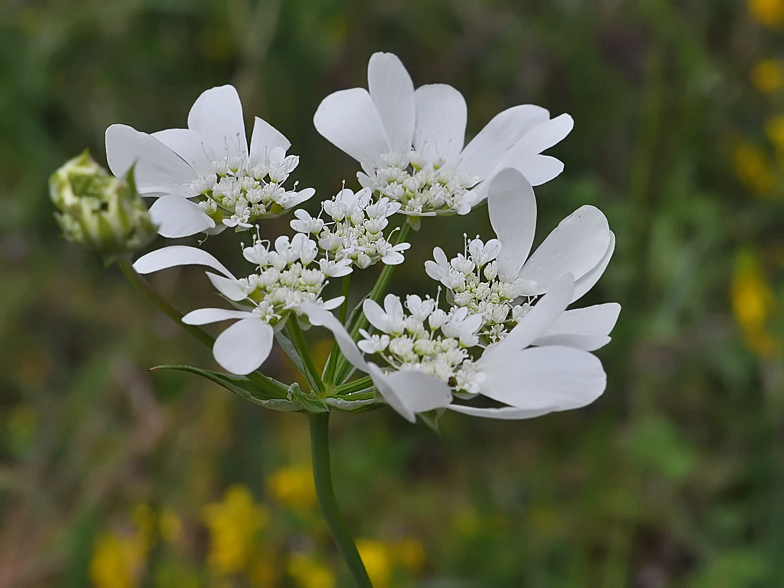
[(241, 386)]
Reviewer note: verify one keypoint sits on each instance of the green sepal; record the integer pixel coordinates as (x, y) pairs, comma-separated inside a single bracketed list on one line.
[(242, 387), (307, 401)]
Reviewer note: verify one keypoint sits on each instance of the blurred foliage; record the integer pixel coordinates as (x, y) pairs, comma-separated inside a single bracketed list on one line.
[(114, 477)]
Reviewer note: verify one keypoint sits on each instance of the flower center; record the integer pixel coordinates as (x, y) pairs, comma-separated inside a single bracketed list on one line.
[(422, 186), (238, 194)]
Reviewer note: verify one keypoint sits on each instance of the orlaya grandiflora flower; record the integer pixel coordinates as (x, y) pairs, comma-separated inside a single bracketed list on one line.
[(204, 176), (410, 142), (282, 284), (423, 373), (356, 232), (498, 279)]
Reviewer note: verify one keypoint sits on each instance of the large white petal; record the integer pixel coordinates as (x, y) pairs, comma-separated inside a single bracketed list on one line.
[(244, 346), (545, 378), (229, 287), (543, 136), (539, 169), (176, 216), (483, 153), (388, 392), (320, 317), (441, 116), (392, 92), (575, 246), (189, 145), (584, 342), (264, 139), (512, 207), (349, 120), (205, 316), (585, 283), (537, 321), (158, 168), (598, 319), (410, 392), (217, 116), (177, 255), (506, 413)]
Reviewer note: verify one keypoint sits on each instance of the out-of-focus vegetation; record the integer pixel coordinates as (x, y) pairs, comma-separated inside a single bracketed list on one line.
[(114, 477)]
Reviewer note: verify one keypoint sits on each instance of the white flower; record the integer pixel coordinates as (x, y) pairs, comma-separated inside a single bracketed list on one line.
[(205, 174), (390, 319), (272, 295), (408, 391), (462, 326), (410, 142), (581, 245), (533, 381), (356, 234)]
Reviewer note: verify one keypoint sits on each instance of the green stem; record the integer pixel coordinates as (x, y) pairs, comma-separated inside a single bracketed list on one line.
[(344, 306), (298, 339), (322, 476), (334, 353), (270, 384)]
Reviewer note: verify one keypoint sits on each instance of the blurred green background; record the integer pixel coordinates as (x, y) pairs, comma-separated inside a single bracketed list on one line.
[(114, 477)]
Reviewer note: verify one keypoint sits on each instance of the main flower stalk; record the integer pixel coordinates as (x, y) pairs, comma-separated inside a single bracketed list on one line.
[(322, 475)]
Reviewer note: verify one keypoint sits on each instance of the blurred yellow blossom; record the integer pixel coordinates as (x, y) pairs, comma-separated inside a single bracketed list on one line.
[(293, 487), (233, 523), (768, 76), (309, 573), (774, 128), (377, 558), (767, 12), (263, 569), (116, 561), (753, 168), (169, 525), (753, 302), (411, 554)]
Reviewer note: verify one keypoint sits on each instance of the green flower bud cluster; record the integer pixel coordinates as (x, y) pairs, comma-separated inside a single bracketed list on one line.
[(98, 210)]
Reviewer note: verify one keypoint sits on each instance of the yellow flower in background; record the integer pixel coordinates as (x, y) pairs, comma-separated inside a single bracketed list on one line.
[(753, 302), (378, 560), (411, 555), (768, 76), (774, 128), (169, 525), (116, 561), (293, 487), (753, 168), (309, 573), (233, 523), (767, 12)]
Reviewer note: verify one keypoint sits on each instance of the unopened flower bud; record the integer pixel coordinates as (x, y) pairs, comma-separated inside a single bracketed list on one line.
[(99, 210)]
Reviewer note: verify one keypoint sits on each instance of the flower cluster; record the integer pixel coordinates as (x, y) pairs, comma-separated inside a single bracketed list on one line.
[(473, 284), (410, 142), (238, 193), (204, 177), (356, 235), (502, 330), (284, 280), (426, 339), (419, 185)]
